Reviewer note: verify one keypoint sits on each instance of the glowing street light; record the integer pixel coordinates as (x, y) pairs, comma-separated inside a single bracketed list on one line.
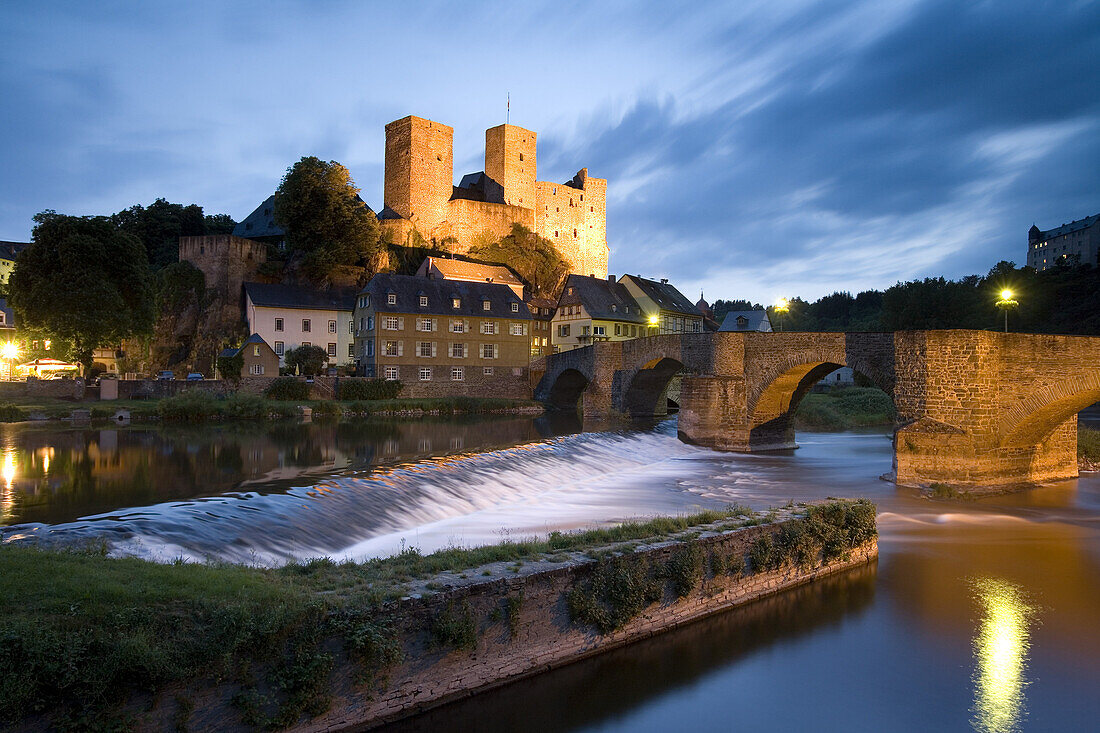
[(781, 306), (9, 352), (654, 320), (1005, 303)]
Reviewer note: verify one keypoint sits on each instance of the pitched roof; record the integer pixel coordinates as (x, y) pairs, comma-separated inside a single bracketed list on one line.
[(474, 271), (9, 250), (601, 299), (1073, 226), (756, 320), (253, 339), (261, 222), (408, 288), (268, 295), (665, 295)]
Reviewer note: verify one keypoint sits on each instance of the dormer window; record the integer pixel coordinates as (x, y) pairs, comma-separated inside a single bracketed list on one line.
[(456, 303), (486, 305), (515, 307), (423, 301), (614, 308), (391, 298)]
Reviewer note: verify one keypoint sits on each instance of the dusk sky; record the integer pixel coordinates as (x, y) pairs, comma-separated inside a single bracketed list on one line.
[(752, 149)]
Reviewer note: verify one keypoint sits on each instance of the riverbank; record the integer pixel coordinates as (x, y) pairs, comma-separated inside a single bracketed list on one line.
[(1088, 448), (202, 407), (845, 408), (204, 647)]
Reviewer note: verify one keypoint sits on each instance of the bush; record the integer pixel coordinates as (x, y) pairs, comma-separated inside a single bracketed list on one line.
[(11, 413), (617, 591), (287, 388), (1088, 444), (189, 406), (368, 389), (685, 569), (242, 406), (230, 367), (455, 628)]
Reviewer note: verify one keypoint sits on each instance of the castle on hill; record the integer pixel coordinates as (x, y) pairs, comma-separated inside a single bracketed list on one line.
[(419, 194)]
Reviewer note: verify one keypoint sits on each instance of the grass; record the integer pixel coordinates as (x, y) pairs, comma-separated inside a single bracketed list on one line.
[(845, 408), (81, 633), (1088, 444)]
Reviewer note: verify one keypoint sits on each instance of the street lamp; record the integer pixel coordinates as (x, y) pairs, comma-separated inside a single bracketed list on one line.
[(9, 352), (781, 306), (1005, 303), (654, 320)]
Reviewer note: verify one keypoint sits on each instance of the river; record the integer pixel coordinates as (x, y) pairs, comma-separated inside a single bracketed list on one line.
[(980, 615)]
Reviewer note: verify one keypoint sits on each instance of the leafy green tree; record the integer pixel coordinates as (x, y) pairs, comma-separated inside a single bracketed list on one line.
[(532, 257), (177, 284), (82, 280), (160, 225), (325, 221), (307, 361), (230, 367)]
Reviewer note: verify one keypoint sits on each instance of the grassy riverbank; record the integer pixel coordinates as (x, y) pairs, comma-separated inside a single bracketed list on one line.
[(1088, 448), (82, 634), (845, 408), (201, 407)]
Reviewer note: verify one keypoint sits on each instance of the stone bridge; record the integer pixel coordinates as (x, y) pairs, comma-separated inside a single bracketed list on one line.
[(974, 407)]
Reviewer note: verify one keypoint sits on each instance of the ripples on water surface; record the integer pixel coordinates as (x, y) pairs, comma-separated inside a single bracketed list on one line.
[(979, 615)]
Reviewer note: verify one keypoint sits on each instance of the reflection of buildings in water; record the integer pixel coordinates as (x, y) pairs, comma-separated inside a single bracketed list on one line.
[(1000, 652)]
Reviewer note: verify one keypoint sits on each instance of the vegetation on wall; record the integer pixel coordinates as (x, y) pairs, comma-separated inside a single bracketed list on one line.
[(368, 389), (84, 281), (160, 225), (326, 223), (532, 257)]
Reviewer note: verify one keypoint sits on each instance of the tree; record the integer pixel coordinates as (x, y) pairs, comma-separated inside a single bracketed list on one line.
[(160, 226), (306, 360), (84, 281), (325, 221), (532, 257)]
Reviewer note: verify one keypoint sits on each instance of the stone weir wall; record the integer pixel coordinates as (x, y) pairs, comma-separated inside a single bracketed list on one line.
[(523, 625)]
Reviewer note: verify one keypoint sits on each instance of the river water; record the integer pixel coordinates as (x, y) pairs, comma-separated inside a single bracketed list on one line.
[(980, 615)]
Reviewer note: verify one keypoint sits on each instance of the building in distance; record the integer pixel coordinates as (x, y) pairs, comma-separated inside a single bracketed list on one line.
[(259, 359), (445, 268), (1076, 243), (754, 320), (8, 252), (289, 316)]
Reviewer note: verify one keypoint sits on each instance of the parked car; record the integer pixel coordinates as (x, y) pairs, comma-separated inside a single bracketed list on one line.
[(194, 377), (166, 374)]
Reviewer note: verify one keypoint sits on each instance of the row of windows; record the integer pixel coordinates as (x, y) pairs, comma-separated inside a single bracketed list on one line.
[(425, 374), (429, 325), (621, 329), (307, 325), (429, 349), (422, 300), (280, 348)]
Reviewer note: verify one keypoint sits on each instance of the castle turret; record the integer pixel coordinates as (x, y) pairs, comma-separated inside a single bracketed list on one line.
[(419, 170), (1033, 234), (510, 160)]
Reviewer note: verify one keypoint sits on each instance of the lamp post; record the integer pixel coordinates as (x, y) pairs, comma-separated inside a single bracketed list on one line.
[(781, 306), (655, 320), (1005, 303)]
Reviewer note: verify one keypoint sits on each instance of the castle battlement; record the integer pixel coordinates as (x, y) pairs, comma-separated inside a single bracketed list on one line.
[(420, 194)]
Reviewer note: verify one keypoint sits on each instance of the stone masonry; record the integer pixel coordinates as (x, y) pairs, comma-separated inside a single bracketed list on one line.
[(975, 408)]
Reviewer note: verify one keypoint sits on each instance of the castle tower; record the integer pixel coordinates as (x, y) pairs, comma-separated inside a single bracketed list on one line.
[(419, 170), (510, 160)]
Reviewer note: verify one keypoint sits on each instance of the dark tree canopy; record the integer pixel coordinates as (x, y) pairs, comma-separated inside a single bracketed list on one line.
[(84, 281), (325, 221), (532, 257), (308, 361), (160, 225)]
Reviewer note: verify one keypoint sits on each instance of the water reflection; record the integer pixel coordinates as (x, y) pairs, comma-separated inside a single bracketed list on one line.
[(1000, 651)]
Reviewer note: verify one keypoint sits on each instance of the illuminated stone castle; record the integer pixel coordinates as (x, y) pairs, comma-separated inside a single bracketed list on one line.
[(420, 195)]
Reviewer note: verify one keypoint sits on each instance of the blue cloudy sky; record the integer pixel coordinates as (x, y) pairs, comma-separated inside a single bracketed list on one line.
[(753, 149)]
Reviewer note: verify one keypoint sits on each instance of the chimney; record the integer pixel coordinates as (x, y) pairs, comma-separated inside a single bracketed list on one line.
[(611, 279), (664, 281)]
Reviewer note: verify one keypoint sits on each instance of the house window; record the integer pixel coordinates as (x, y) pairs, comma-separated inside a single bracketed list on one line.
[(278, 324), (457, 327), (305, 325), (370, 348), (307, 343), (488, 351), (255, 350), (618, 330), (487, 371), (519, 329), (393, 348), (521, 157), (425, 348), (391, 298), (332, 326), (256, 369), (633, 330), (364, 302), (427, 324), (391, 373), (599, 331), (458, 374), (486, 305), (489, 327), (515, 307), (279, 348), (424, 304), (585, 330), (614, 307), (563, 330), (351, 351), (393, 323), (351, 327), (456, 303), (458, 351), (332, 349), (425, 374)]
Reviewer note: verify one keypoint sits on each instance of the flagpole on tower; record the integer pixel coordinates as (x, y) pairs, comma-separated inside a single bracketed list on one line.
[(508, 113)]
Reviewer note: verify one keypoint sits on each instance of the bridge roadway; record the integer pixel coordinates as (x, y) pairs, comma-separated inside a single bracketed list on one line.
[(975, 408)]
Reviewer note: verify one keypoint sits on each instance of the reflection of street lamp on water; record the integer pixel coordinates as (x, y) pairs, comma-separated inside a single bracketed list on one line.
[(781, 306), (9, 352), (1005, 303)]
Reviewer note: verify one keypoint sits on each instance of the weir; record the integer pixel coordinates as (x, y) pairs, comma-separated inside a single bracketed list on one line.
[(974, 408)]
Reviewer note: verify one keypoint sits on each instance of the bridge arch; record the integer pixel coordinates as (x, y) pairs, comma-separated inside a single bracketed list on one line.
[(775, 396), (646, 390), (1036, 417), (565, 389)]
